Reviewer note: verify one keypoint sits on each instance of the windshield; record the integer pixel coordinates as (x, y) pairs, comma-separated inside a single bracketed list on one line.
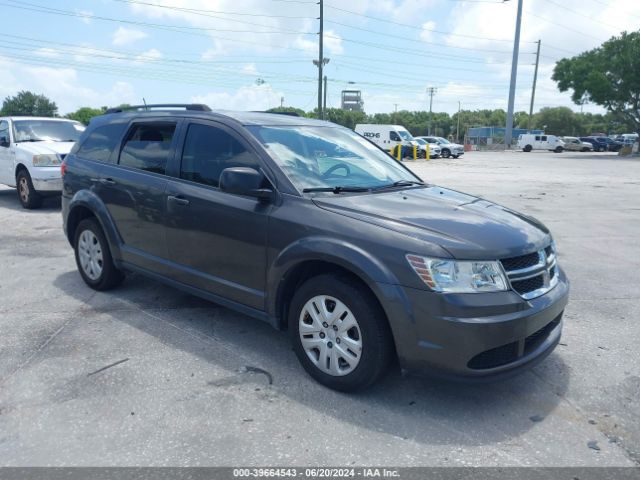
[(329, 157), (442, 140), (421, 141), (405, 135), (46, 130)]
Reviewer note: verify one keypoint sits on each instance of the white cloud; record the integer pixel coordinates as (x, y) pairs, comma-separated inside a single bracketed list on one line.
[(62, 85), (84, 16), (125, 36), (249, 97), (332, 44), (250, 69), (426, 34), (150, 56), (46, 52)]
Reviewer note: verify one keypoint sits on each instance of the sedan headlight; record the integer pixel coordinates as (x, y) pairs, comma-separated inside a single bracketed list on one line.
[(46, 160), (452, 276)]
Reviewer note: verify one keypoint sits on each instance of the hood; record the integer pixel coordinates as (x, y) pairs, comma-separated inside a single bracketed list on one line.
[(467, 227), (41, 148)]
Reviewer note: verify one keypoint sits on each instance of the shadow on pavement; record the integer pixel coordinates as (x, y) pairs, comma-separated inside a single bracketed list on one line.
[(426, 411)]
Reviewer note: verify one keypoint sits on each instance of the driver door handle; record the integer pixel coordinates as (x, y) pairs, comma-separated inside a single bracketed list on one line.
[(178, 200)]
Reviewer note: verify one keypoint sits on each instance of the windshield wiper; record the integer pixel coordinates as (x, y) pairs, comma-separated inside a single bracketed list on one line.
[(70, 140), (337, 189), (30, 140), (399, 183)]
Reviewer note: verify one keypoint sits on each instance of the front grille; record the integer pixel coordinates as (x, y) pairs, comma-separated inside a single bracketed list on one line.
[(532, 274), (509, 353), (523, 261), (528, 285)]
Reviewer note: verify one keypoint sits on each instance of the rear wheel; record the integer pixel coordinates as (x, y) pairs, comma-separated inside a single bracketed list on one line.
[(93, 256), (339, 333), (445, 152), (27, 194)]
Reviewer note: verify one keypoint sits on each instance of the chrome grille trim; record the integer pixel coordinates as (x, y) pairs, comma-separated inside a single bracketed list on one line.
[(546, 263)]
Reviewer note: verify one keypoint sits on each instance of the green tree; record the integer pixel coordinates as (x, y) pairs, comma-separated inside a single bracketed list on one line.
[(29, 104), (558, 121), (608, 75), (85, 114)]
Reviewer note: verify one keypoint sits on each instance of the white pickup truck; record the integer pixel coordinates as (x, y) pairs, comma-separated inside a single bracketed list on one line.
[(31, 151)]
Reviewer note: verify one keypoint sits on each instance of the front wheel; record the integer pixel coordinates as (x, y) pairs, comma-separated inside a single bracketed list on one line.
[(527, 148), (339, 333), (446, 153), (559, 149), (27, 194), (93, 257)]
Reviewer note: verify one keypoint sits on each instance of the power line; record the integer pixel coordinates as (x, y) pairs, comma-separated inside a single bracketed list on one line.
[(407, 25), (563, 26), (199, 11)]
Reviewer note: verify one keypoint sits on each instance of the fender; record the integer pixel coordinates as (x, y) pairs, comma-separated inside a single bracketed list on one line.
[(88, 199), (369, 269)]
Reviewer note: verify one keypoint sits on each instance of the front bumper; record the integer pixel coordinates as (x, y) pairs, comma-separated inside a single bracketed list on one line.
[(46, 179), (477, 336)]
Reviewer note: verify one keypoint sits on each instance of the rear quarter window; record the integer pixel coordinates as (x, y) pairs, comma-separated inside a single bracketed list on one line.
[(100, 143)]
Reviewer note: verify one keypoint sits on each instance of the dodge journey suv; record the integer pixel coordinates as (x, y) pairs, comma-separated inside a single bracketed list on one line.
[(309, 227)]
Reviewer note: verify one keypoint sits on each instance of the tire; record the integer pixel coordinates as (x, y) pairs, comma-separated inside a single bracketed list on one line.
[(361, 330), (93, 257), (527, 148), (27, 194), (558, 149), (455, 156), (584, 149), (445, 153)]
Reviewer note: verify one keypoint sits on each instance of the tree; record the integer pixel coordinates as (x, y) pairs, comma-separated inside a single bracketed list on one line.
[(85, 114), (558, 121), (608, 75), (29, 104)]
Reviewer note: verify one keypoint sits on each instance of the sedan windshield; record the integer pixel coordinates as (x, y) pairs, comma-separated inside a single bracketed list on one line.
[(47, 130), (329, 157)]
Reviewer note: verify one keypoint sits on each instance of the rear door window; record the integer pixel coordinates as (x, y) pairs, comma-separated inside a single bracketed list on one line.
[(147, 146), (543, 138), (100, 143)]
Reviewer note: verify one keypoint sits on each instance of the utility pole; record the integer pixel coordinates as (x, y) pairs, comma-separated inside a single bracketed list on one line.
[(514, 73), (395, 106), (458, 127), (324, 101), (533, 90), (320, 58), (281, 102), (431, 91)]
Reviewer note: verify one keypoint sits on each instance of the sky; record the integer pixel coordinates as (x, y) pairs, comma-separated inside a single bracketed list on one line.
[(257, 54)]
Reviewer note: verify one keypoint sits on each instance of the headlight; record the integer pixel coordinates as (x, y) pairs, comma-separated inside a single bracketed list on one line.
[(451, 276), (48, 160)]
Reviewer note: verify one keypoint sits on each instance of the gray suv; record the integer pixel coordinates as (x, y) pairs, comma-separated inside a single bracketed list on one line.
[(307, 226)]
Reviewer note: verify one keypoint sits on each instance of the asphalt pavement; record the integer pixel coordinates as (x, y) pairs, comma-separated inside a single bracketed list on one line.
[(146, 375)]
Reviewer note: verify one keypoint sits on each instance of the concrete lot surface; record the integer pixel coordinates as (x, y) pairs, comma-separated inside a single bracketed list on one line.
[(186, 393)]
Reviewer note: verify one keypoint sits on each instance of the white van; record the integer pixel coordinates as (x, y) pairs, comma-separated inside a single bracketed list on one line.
[(31, 151), (529, 141), (386, 136)]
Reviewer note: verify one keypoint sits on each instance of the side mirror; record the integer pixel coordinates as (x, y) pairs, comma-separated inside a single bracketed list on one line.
[(244, 181), (4, 142)]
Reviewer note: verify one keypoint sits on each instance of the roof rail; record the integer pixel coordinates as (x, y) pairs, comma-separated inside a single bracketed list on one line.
[(290, 114), (196, 107)]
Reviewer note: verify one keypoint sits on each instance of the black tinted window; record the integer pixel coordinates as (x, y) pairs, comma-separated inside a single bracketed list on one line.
[(101, 142), (394, 136), (147, 146), (4, 130), (209, 150)]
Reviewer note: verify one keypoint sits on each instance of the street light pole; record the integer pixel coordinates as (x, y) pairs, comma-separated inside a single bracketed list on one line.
[(320, 59), (514, 74), (533, 90)]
